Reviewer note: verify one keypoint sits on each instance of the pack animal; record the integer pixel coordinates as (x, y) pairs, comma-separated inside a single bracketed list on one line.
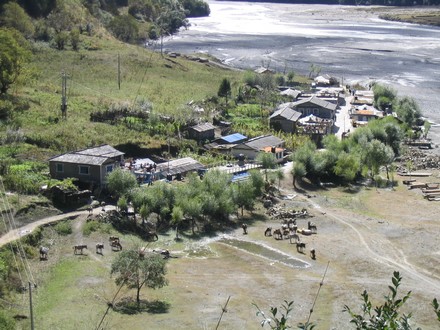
[(300, 247), (312, 227), (268, 231), (43, 252), (79, 248), (278, 234), (99, 247)]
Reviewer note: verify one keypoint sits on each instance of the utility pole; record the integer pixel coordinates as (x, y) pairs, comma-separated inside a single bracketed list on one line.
[(119, 72), (64, 95), (30, 306)]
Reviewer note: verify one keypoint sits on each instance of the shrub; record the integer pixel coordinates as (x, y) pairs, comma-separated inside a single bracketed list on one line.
[(93, 226), (35, 237), (63, 228)]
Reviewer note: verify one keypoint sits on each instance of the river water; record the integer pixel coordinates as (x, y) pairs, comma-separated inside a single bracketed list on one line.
[(347, 42)]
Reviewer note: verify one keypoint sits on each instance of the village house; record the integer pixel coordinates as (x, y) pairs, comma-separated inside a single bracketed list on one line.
[(361, 115), (225, 143), (90, 166), (202, 132), (291, 94), (264, 143), (284, 118), (315, 106), (178, 168)]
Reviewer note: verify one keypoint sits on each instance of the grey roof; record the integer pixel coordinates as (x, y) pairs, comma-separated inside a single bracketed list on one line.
[(92, 156), (181, 165), (291, 92), (203, 127), (285, 111), (263, 141), (317, 101)]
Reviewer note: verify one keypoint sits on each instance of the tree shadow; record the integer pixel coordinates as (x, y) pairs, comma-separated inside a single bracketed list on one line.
[(129, 306)]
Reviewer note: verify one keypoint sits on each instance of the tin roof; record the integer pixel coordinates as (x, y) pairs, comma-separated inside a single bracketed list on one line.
[(234, 138), (181, 165), (91, 156)]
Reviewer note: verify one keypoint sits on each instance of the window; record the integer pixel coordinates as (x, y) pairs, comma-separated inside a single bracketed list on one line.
[(109, 168), (84, 170), (60, 168)]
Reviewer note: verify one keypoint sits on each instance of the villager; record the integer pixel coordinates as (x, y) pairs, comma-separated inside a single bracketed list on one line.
[(313, 254), (244, 226)]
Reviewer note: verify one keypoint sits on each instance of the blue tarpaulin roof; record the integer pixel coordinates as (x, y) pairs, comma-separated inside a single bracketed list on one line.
[(234, 138)]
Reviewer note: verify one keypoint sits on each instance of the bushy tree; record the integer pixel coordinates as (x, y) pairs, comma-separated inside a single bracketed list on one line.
[(121, 182), (384, 96), (136, 270), (14, 16), (125, 28), (243, 194), (408, 110), (267, 161), (14, 55)]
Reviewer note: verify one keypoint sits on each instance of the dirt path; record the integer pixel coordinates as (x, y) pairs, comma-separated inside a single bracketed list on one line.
[(17, 233)]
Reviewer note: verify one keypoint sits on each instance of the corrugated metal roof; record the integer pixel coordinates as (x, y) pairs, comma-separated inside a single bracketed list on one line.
[(181, 165), (234, 138), (261, 142), (287, 113), (91, 156), (203, 127), (317, 101)]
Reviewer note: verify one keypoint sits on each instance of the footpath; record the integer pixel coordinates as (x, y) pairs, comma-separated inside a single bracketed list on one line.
[(17, 233)]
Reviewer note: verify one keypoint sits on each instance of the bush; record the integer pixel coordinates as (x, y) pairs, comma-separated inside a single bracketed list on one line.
[(93, 226), (63, 228), (35, 237), (6, 321)]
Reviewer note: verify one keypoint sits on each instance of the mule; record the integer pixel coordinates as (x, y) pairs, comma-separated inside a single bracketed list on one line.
[(300, 247), (79, 248), (278, 234), (312, 227), (268, 231)]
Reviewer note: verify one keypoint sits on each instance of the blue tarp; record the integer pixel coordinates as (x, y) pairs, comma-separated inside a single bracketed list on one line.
[(240, 176)]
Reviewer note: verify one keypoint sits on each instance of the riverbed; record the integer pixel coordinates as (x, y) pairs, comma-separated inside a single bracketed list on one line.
[(350, 43)]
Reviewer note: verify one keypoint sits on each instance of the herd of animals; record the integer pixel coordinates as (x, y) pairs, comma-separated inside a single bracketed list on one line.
[(289, 230)]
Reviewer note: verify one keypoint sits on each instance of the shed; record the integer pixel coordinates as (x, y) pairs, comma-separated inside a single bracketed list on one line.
[(180, 166), (202, 132)]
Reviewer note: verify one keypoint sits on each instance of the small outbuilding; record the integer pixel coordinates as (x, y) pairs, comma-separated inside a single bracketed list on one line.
[(202, 132)]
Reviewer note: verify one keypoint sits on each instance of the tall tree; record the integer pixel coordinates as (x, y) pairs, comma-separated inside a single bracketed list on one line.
[(136, 270), (243, 194), (267, 160), (13, 57), (225, 89)]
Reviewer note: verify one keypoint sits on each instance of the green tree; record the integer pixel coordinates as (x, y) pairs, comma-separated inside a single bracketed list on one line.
[(225, 89), (14, 55), (384, 316), (408, 110), (6, 321), (177, 218), (298, 172), (426, 127), (14, 16), (124, 28), (135, 270), (74, 38), (384, 96), (347, 166), (243, 194), (61, 39), (122, 204), (267, 160), (121, 182)]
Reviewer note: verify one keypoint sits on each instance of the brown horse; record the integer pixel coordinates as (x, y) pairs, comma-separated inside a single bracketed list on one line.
[(79, 248), (116, 245), (300, 247)]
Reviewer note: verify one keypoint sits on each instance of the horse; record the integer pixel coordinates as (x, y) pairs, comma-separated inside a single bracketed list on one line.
[(268, 231), (113, 238), (311, 226), (291, 223), (313, 254), (293, 236), (115, 244), (43, 252), (79, 248), (244, 226), (277, 234), (300, 247), (99, 247)]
